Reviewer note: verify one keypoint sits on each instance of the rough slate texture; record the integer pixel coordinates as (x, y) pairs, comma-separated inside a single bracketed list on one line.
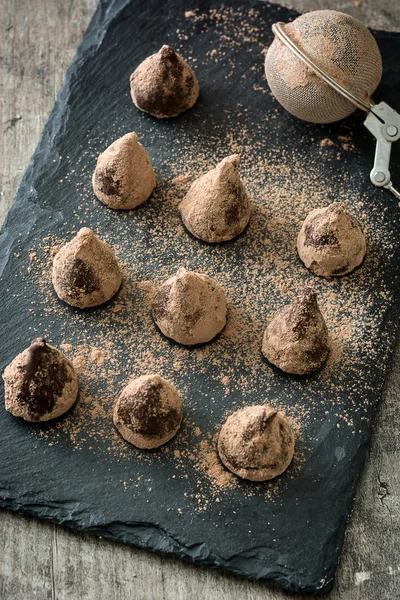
[(79, 488)]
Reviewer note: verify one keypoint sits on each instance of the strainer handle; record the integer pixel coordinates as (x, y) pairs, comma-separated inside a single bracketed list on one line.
[(393, 190), (386, 130)]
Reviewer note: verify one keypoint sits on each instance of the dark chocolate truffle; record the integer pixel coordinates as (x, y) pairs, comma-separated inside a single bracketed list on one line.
[(331, 241), (148, 412), (256, 443), (85, 271), (216, 207), (124, 177), (40, 383), (164, 85), (190, 308), (296, 340)]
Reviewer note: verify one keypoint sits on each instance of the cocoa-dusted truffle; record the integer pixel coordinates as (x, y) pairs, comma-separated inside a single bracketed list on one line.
[(40, 383), (216, 207), (331, 241), (190, 308), (296, 340), (85, 271), (124, 176), (164, 85), (256, 443), (148, 412)]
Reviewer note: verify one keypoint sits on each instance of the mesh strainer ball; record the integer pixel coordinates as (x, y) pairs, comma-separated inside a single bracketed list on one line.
[(342, 47)]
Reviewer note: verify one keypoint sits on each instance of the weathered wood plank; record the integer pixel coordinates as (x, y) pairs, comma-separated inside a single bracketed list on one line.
[(37, 42), (39, 560)]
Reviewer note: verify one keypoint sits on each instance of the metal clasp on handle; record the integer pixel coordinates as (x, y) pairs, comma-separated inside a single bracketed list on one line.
[(384, 124)]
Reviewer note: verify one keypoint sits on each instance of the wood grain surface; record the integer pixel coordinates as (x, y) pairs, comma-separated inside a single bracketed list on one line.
[(39, 560)]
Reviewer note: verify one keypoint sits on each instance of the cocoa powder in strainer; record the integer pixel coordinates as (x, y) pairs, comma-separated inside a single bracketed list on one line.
[(339, 45)]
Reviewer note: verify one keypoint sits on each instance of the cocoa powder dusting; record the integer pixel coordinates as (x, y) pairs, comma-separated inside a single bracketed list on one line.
[(111, 344)]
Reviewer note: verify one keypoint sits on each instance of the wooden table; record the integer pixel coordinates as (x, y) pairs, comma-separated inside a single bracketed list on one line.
[(39, 560)]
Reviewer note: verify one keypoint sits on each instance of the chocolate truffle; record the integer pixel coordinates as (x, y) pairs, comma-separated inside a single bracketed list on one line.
[(85, 271), (124, 177), (148, 412), (331, 241), (256, 443), (40, 383), (216, 207), (164, 85), (296, 340), (190, 308)]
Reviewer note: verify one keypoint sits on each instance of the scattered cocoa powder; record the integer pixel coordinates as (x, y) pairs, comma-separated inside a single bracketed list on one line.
[(284, 185), (326, 142)]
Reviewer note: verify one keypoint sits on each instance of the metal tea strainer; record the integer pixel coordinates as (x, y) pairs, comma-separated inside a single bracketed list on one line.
[(323, 66)]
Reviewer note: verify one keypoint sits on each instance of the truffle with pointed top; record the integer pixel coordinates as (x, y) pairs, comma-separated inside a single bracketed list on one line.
[(164, 85), (331, 241), (256, 443), (296, 340), (124, 176), (148, 413), (85, 271), (40, 383), (216, 207), (190, 308)]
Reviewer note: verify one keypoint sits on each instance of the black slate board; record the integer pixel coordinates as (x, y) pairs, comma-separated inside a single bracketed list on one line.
[(295, 539)]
